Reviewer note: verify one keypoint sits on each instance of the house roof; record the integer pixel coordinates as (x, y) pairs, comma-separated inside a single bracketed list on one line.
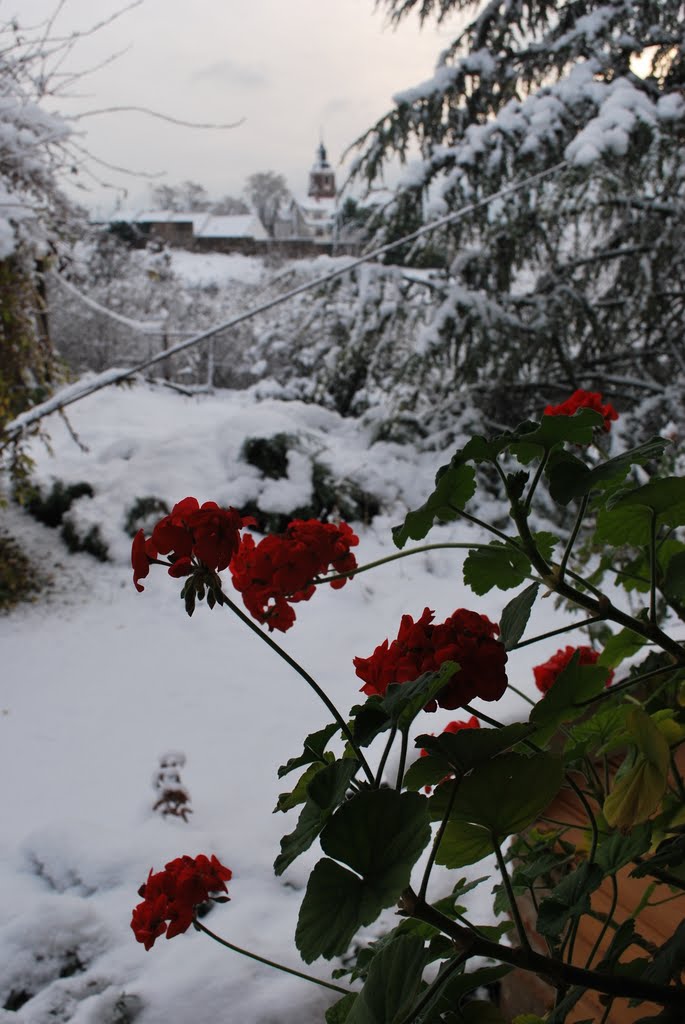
[(207, 225)]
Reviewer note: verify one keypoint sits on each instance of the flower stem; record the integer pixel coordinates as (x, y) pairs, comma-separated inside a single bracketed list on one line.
[(393, 558), (513, 905), (384, 758), (438, 839), (269, 963), (321, 694), (557, 632), (574, 533)]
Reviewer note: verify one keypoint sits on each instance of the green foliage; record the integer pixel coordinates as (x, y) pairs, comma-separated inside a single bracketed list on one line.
[(378, 837), (144, 513), (20, 579)]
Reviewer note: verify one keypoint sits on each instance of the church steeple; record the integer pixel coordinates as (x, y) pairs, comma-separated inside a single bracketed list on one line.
[(321, 176)]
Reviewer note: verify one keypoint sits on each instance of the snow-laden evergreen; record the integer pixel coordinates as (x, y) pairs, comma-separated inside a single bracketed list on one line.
[(579, 279)]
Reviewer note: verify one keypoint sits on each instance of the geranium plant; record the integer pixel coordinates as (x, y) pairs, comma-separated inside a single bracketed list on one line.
[(607, 734)]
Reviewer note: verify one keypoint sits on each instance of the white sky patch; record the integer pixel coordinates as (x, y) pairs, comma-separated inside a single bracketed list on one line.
[(291, 71)]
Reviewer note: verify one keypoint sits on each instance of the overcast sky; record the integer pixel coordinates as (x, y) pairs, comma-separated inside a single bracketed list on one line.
[(288, 69)]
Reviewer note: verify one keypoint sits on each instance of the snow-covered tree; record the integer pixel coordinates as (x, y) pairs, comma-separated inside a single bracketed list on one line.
[(35, 215), (577, 279), (268, 193)]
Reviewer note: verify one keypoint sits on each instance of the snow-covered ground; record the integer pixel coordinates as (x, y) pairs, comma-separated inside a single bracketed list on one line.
[(99, 680)]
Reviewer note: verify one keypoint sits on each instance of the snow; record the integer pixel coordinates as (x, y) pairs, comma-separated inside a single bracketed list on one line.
[(215, 268), (100, 681)]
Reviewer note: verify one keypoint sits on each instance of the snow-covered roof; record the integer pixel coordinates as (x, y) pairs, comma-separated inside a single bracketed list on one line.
[(206, 225), (247, 225)]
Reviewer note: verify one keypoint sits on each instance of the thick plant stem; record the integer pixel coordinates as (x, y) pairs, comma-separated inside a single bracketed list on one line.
[(269, 963), (321, 694), (556, 971)]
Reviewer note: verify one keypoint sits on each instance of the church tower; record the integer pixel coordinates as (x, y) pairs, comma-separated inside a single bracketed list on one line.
[(321, 177)]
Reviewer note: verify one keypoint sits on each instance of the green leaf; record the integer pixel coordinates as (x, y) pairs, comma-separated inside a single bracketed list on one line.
[(573, 480), (575, 684), (393, 983), (515, 616), (674, 579), (620, 646), (665, 496), (453, 487), (667, 963), (449, 994), (569, 899), (339, 1012), (635, 795), (461, 751), (533, 439), (379, 834), (298, 795), (500, 797), (403, 701), (314, 747), (464, 843), (497, 565), (649, 740), (669, 856), (638, 792), (619, 849), (369, 720), (333, 910), (325, 792), (598, 734)]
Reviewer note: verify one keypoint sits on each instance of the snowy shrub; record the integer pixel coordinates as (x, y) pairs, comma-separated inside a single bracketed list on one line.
[(144, 513), (20, 579)]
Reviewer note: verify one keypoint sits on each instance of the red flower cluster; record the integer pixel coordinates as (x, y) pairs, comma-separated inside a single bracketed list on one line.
[(278, 571), (208, 533), (465, 637), (584, 400), (470, 723), (547, 674), (170, 896)]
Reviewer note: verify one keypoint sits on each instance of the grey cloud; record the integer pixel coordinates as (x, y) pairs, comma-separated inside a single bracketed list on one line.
[(226, 72)]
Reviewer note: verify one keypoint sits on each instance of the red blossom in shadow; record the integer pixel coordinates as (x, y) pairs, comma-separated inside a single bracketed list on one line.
[(171, 896), (277, 572), (584, 400), (547, 674), (465, 637)]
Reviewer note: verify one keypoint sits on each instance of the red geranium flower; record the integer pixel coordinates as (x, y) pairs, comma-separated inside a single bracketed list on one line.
[(142, 553), (170, 896), (192, 535), (584, 400), (279, 571), (547, 674), (465, 637)]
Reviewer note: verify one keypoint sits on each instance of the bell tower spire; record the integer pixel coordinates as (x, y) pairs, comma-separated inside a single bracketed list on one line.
[(321, 176)]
